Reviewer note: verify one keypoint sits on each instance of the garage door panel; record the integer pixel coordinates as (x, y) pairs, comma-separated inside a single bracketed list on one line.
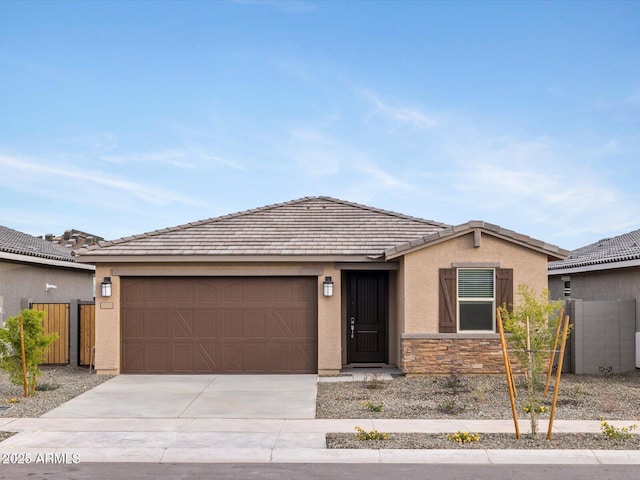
[(303, 326), (133, 292), (280, 325), (232, 324), (156, 358), (183, 357), (279, 358), (157, 292), (254, 325), (219, 325), (304, 292), (133, 324), (206, 291), (303, 357), (134, 353), (155, 324), (183, 324), (234, 292), (231, 358), (206, 324), (205, 358), (256, 291), (254, 358), (183, 292)]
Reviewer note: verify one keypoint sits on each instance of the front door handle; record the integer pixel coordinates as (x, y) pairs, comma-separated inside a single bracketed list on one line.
[(353, 327)]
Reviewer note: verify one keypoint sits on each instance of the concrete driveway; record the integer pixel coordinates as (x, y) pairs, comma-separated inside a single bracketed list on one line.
[(196, 396)]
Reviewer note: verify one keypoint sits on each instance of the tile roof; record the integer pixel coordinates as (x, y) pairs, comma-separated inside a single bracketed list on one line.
[(491, 229), (306, 226), (622, 248), (12, 241)]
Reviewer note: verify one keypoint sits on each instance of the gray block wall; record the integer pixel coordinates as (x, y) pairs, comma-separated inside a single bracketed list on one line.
[(603, 336)]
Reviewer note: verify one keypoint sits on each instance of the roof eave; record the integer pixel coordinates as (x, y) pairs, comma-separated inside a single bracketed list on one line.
[(553, 252), (15, 257), (595, 267), (110, 259)]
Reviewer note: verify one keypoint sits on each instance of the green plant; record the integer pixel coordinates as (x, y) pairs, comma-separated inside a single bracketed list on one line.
[(579, 389), (616, 433), (539, 409), (451, 407), (372, 435), (374, 407), (464, 437), (35, 342), (46, 387), (531, 325)]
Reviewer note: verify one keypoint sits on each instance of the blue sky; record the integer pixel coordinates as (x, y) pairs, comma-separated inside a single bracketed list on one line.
[(124, 117)]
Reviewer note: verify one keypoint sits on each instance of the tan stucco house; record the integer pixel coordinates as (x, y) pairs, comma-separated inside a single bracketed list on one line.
[(307, 286)]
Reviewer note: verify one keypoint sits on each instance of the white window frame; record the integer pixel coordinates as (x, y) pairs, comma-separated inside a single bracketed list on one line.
[(475, 299)]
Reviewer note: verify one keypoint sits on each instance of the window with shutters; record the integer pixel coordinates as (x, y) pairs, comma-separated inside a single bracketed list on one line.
[(469, 297), (476, 299)]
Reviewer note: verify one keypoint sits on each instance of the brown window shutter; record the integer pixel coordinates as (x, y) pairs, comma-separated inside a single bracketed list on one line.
[(504, 287), (448, 299)]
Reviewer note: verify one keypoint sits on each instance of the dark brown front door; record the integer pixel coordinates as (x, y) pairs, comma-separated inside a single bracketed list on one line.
[(367, 316)]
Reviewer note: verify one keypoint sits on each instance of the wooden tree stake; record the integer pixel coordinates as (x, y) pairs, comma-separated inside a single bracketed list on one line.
[(24, 359), (553, 353), (556, 387), (510, 381)]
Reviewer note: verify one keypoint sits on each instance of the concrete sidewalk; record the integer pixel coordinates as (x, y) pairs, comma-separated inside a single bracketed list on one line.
[(272, 441)]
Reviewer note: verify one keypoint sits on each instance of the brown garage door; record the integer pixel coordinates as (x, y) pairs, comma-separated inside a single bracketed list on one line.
[(219, 325)]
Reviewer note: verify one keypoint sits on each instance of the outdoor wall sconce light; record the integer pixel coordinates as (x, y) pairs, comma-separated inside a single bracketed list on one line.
[(327, 287), (106, 287)]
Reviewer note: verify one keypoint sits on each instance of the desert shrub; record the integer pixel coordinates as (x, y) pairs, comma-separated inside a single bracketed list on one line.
[(35, 343)]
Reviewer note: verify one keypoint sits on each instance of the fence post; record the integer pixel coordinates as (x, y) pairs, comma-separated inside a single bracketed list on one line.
[(74, 320)]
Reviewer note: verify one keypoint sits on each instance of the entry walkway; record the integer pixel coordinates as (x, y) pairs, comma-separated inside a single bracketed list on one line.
[(271, 441)]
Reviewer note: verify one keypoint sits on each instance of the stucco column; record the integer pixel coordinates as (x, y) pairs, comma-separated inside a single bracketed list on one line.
[(329, 324), (107, 357)]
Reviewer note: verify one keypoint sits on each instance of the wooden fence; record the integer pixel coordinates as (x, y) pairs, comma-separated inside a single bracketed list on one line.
[(87, 332), (56, 320)]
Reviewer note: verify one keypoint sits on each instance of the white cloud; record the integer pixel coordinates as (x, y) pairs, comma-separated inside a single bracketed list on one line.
[(37, 176), (398, 115), (189, 159), (531, 186)]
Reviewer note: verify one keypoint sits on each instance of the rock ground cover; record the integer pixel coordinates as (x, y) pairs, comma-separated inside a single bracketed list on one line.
[(581, 397), (56, 385)]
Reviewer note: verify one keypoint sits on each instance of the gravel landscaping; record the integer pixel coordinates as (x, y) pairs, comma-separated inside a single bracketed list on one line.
[(56, 385), (581, 397)]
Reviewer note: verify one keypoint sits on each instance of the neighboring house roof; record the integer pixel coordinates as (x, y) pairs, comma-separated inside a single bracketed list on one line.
[(12, 241), (307, 226), (74, 239), (551, 251), (608, 253), (18, 246)]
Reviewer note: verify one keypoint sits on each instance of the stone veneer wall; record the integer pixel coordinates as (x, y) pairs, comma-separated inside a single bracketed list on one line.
[(442, 354)]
